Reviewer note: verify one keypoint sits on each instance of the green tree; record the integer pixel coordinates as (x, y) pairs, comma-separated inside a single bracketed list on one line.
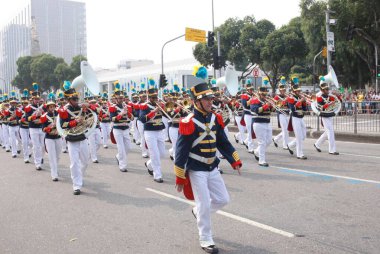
[(42, 71), (63, 72), (75, 66), (354, 60), (231, 49), (283, 49), (23, 79), (252, 41)]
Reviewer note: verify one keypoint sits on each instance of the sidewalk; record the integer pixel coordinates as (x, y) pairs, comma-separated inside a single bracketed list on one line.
[(339, 135)]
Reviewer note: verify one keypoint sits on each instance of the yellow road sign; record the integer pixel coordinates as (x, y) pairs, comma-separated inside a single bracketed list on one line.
[(195, 35)]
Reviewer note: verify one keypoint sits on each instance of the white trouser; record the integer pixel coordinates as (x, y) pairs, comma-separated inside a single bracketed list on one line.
[(242, 129), (6, 136), (248, 124), (24, 133), (284, 134), (210, 195), (136, 133), (156, 146), (263, 133), (53, 148), (13, 133), (166, 123), (123, 144), (79, 157), (299, 128), (106, 130), (63, 144), (327, 134), (173, 134), (94, 142), (140, 127), (37, 137)]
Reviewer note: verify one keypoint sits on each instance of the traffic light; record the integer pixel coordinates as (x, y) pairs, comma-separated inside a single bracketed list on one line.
[(215, 60), (210, 39), (378, 71), (324, 52), (163, 81), (333, 56), (350, 32)]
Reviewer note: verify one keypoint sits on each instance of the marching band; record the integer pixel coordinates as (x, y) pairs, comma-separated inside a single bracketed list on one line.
[(195, 126)]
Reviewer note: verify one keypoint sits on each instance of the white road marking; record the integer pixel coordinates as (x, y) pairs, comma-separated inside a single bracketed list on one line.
[(229, 215), (361, 155), (331, 175)]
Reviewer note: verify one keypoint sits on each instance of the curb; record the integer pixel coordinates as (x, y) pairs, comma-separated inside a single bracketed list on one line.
[(372, 138)]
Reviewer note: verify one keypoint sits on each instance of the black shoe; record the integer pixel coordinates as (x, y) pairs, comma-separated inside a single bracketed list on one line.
[(105, 147), (55, 179), (38, 168), (134, 140), (159, 180), (302, 158), (149, 171), (211, 249), (192, 211), (264, 164), (65, 151), (290, 151), (95, 161), (18, 151), (30, 155), (8, 151), (76, 192), (318, 149), (274, 142), (334, 153), (14, 156), (117, 160), (124, 170), (220, 171), (26, 162), (256, 157), (171, 157)]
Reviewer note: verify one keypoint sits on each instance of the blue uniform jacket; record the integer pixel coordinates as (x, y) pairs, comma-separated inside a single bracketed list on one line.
[(297, 107), (262, 111), (120, 122), (189, 132), (152, 121)]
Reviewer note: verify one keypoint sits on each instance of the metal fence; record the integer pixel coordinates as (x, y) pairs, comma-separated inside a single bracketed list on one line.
[(354, 117)]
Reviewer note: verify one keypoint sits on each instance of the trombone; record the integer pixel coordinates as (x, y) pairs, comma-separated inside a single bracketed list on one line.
[(161, 109), (170, 106)]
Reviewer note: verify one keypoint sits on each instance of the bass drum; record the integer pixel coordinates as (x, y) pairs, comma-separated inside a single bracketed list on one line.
[(86, 128)]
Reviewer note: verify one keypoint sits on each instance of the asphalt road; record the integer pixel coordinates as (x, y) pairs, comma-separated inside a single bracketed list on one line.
[(326, 204)]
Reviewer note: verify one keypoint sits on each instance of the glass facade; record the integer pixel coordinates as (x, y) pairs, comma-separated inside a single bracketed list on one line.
[(57, 27)]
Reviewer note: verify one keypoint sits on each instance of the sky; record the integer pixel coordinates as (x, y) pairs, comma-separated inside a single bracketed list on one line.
[(137, 29)]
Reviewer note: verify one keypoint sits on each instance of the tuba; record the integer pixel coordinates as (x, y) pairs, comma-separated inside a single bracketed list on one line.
[(86, 126), (335, 107), (230, 81), (89, 118)]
